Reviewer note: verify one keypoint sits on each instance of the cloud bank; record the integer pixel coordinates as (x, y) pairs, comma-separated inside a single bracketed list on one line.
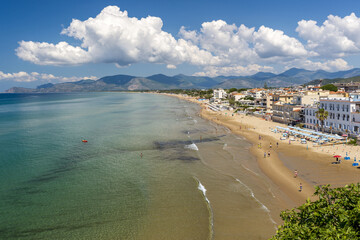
[(35, 76), (218, 48)]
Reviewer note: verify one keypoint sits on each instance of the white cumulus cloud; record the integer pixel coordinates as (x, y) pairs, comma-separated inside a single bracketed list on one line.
[(238, 70), (114, 37), (332, 65), (273, 43), (336, 37), (217, 48)]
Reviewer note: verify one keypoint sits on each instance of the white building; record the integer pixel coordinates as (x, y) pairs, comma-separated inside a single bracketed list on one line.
[(259, 94), (343, 115), (219, 93), (312, 97), (238, 96)]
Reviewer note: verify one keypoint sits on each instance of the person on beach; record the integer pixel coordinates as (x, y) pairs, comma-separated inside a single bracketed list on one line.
[(269, 153), (259, 137), (264, 154), (277, 144), (289, 141), (300, 189), (260, 145), (295, 174), (270, 146), (141, 155)]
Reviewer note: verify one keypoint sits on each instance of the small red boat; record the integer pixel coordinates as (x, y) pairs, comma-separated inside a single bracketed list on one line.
[(84, 140)]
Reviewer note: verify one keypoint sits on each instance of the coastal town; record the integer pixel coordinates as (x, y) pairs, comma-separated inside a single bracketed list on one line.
[(331, 109)]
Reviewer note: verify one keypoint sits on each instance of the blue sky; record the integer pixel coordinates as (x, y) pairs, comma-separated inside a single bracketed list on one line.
[(197, 37)]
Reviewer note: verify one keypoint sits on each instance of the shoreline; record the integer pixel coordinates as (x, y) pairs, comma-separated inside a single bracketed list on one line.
[(312, 163)]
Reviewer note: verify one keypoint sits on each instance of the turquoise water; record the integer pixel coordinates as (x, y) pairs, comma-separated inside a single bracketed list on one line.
[(54, 186)]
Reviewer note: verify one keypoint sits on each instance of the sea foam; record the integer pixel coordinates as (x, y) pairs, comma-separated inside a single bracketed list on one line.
[(208, 205), (192, 147), (258, 201)]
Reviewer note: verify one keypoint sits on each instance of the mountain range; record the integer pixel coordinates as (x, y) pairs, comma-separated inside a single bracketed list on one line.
[(291, 77)]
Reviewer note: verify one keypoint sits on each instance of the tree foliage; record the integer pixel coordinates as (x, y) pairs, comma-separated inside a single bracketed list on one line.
[(330, 87), (322, 115), (335, 215), (232, 90), (249, 98), (231, 102), (242, 89), (352, 141)]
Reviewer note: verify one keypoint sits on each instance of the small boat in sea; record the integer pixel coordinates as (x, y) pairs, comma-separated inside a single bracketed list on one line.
[(84, 140)]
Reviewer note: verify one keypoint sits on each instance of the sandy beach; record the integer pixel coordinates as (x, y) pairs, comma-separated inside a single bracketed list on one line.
[(313, 163)]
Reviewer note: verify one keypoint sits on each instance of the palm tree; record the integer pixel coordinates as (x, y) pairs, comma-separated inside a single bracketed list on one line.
[(322, 115)]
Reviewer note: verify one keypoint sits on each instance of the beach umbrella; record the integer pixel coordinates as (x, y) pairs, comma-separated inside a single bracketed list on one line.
[(337, 157), (355, 163)]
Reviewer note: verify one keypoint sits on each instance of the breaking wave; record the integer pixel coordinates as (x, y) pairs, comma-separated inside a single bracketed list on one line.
[(258, 201), (208, 205), (192, 147)]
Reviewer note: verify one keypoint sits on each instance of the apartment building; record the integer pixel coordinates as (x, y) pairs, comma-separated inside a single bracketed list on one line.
[(287, 113), (344, 114), (219, 93), (238, 96), (309, 98), (283, 98)]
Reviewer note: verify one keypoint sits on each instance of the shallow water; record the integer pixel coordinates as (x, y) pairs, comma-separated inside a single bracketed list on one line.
[(195, 180)]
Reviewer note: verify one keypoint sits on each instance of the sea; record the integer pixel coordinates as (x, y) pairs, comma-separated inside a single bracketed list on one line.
[(151, 168)]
